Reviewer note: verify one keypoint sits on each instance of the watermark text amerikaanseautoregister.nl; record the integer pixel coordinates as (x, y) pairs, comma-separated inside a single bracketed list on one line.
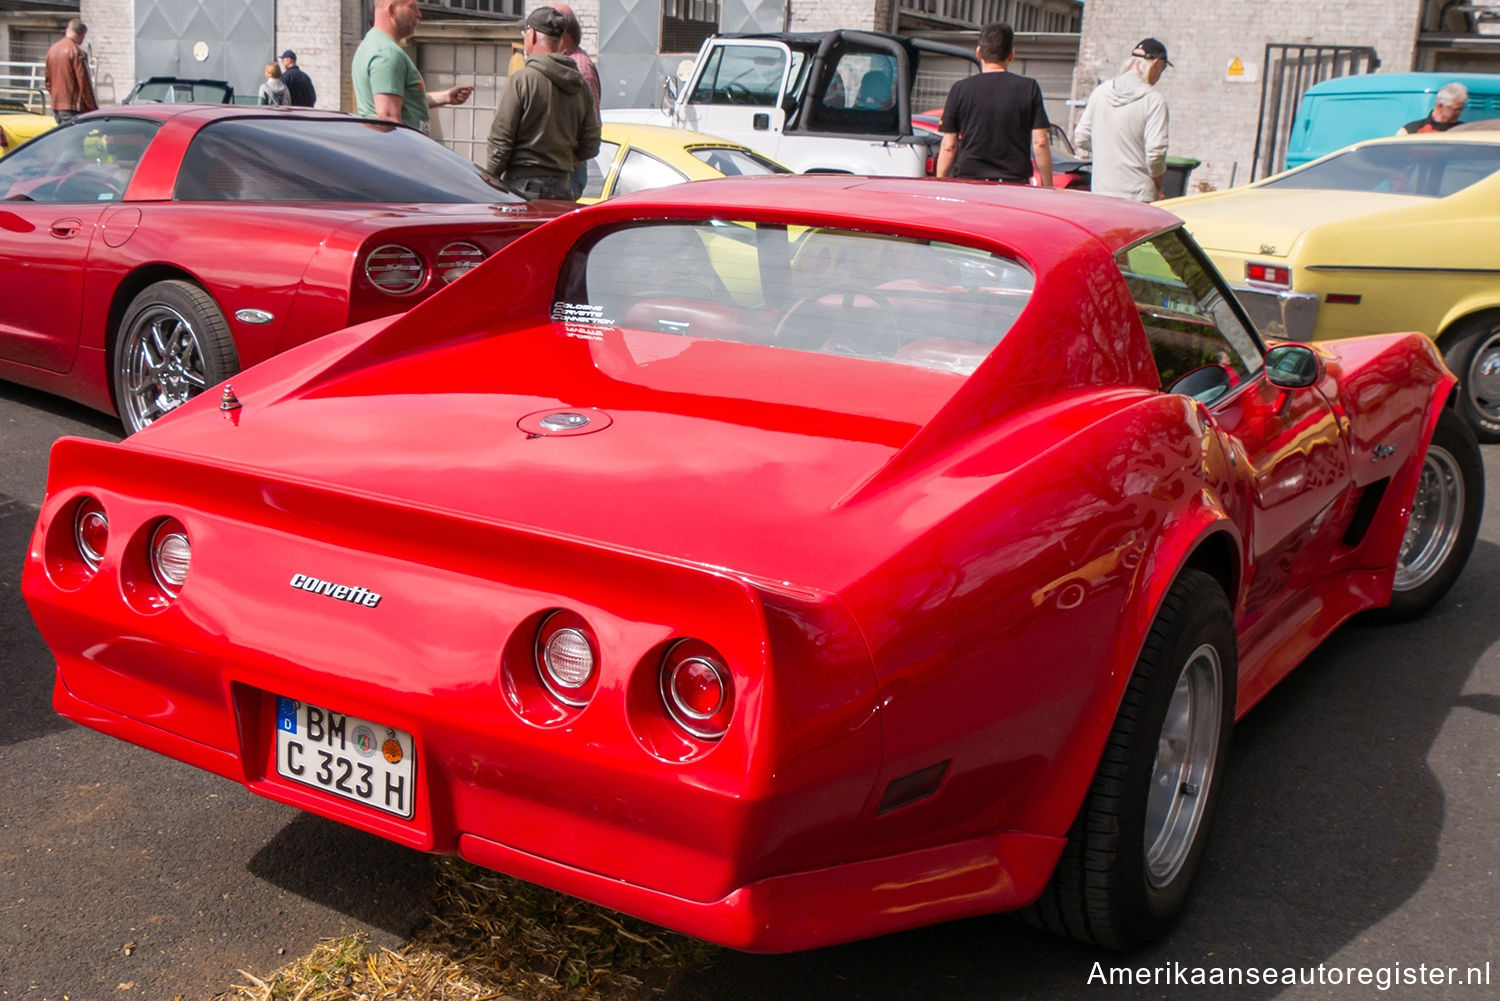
[(1380, 977)]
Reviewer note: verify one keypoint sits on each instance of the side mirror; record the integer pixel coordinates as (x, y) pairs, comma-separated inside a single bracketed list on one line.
[(668, 95), (1292, 366), (1206, 383)]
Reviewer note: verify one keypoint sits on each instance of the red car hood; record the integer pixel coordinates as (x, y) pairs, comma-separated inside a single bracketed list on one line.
[(779, 450)]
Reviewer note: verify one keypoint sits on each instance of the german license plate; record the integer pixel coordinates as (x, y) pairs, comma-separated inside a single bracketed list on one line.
[(347, 756)]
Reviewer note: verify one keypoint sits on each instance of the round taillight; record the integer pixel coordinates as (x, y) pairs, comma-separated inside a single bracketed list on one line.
[(395, 269), (90, 532), (567, 658), (458, 259), (171, 555), (697, 690)]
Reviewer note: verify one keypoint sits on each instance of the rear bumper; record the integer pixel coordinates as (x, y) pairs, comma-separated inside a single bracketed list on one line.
[(1285, 315), (792, 911), (819, 907)]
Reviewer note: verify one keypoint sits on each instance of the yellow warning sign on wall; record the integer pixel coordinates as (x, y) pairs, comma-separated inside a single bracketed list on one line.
[(1239, 71)]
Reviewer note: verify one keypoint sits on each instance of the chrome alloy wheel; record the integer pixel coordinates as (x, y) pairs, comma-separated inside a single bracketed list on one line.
[(1186, 751), (1483, 383), (161, 366), (1437, 514)]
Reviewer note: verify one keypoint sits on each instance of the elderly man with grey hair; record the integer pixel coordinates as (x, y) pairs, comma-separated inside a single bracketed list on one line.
[(1124, 127), (1449, 106)]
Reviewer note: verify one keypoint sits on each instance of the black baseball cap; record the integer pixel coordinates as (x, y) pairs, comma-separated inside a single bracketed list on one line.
[(289, 54), (547, 21), (1150, 48)]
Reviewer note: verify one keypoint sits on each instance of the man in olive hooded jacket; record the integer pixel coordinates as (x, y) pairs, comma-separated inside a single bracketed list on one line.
[(545, 122)]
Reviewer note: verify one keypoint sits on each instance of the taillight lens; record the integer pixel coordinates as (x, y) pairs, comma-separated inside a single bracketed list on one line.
[(567, 658), (90, 532), (930, 167), (1268, 274), (395, 269), (458, 259), (171, 555), (697, 689)]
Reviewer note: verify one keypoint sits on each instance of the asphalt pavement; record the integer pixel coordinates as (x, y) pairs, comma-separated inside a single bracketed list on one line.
[(1356, 837)]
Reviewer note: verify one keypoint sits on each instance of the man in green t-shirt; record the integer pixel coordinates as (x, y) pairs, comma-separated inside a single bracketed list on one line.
[(386, 82)]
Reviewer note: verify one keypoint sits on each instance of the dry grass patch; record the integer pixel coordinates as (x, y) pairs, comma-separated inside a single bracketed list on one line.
[(492, 937)]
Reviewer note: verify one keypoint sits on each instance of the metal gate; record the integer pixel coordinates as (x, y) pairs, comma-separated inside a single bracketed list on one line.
[(214, 40), (1291, 68)]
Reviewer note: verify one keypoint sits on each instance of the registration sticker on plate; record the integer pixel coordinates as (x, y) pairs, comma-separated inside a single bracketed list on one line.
[(347, 756)]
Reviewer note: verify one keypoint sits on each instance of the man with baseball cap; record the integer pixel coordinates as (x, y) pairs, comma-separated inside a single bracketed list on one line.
[(298, 84), (1124, 126), (545, 121)]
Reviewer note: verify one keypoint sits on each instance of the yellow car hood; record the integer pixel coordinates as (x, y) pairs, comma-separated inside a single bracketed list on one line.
[(1269, 221)]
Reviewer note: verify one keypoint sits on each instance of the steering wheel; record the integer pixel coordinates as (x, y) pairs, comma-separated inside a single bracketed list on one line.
[(811, 324), (737, 93), (86, 185)]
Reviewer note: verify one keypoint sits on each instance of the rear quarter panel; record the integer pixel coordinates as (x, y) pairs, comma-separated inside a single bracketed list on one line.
[(1004, 635), (245, 257), (1419, 268)]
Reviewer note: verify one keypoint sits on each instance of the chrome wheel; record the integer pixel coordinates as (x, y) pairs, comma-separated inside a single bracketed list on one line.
[(1186, 751), (161, 365), (1483, 382), (1437, 514)]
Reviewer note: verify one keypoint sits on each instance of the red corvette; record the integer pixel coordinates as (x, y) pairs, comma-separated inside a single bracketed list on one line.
[(783, 560), (149, 252)]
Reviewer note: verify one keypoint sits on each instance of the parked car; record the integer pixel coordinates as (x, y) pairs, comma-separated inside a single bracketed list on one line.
[(913, 562), (180, 90), (1391, 234), (147, 253), (641, 157), (1350, 109), (22, 116), (1068, 170), (819, 102)]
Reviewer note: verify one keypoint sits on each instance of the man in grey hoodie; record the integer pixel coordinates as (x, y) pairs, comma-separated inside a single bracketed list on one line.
[(1124, 126), (545, 122)]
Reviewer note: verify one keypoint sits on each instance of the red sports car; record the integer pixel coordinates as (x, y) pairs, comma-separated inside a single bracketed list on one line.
[(784, 560), (149, 252)]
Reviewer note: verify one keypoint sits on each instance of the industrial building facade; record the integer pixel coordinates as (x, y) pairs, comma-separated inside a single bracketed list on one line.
[(1238, 68)]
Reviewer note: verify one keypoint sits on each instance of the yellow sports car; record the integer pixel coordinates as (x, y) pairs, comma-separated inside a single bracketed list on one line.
[(638, 157), (1390, 234), (21, 118)]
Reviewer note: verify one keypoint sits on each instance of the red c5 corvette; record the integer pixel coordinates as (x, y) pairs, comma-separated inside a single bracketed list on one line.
[(149, 252), (784, 560)]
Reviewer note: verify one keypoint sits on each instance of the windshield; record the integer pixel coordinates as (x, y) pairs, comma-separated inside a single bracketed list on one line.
[(182, 92), (327, 160), (737, 162), (865, 295), (1429, 170)]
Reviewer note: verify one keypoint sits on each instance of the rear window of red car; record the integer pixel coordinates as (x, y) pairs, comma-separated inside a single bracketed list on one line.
[(327, 160), (865, 295)]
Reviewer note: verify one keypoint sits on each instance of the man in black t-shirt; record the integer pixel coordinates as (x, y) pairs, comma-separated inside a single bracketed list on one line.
[(994, 122)]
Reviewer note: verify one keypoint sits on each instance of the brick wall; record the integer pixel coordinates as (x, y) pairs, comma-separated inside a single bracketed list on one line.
[(1213, 119), (311, 28), (823, 15), (111, 41)]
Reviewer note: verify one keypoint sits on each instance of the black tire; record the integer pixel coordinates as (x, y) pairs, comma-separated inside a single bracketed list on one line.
[(1444, 521), (1117, 885), (171, 345), (1472, 352)]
